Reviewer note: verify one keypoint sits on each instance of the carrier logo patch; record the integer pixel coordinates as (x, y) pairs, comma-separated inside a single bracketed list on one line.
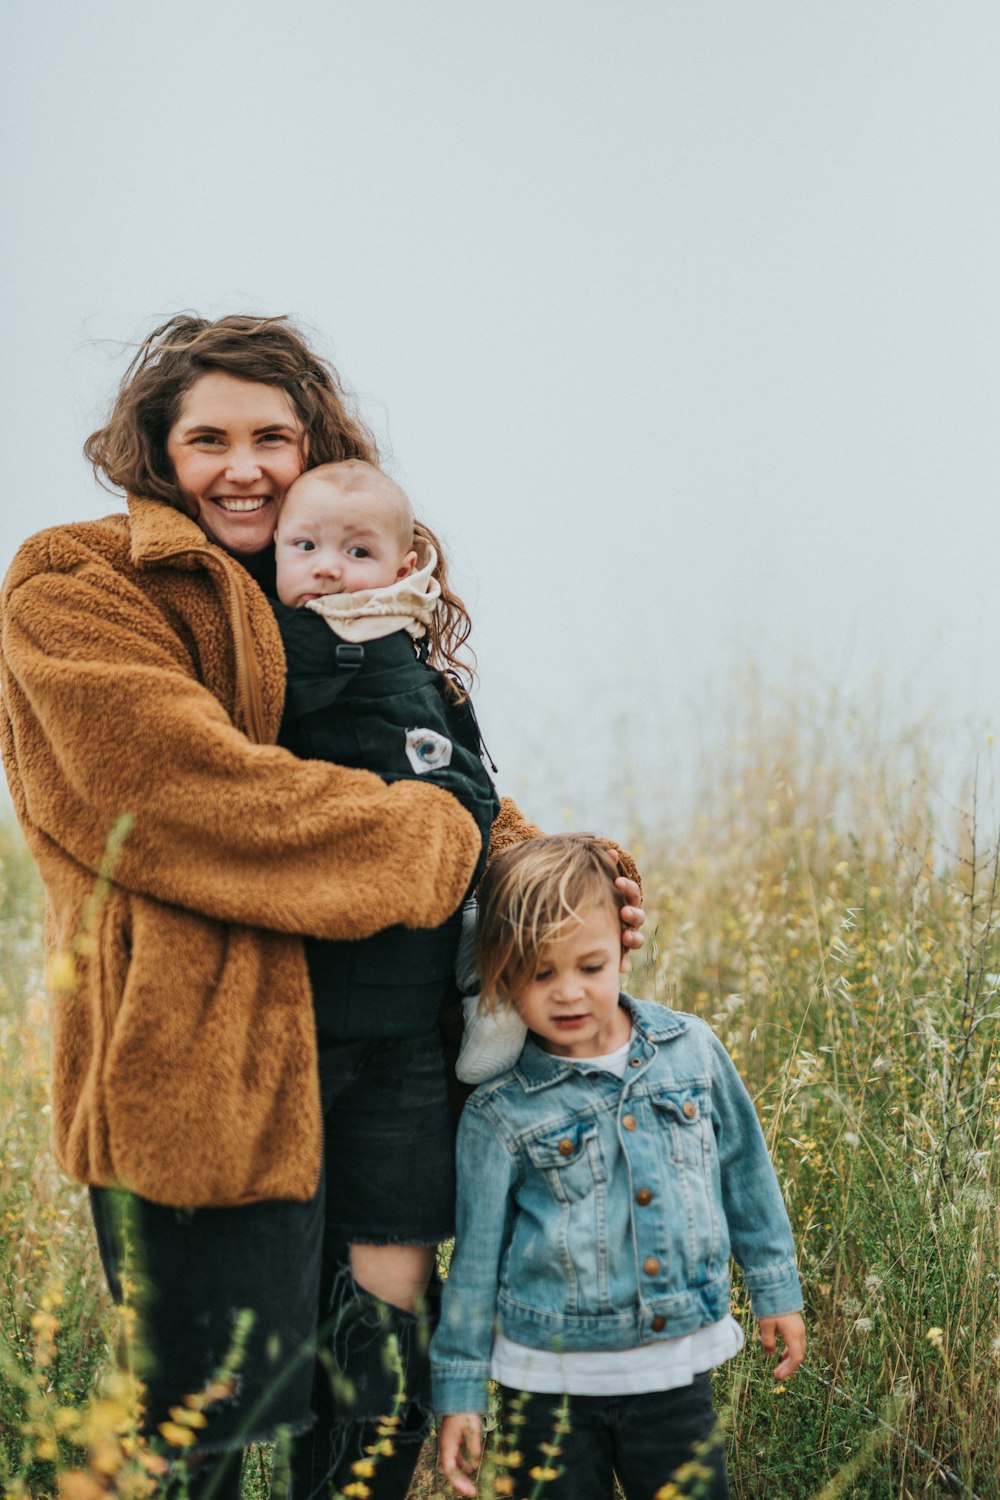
[(426, 750)]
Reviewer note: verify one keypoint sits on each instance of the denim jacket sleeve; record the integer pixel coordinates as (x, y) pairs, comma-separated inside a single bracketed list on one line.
[(759, 1230), (461, 1347)]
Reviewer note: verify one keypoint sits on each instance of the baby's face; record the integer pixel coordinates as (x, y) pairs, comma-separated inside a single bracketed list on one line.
[(332, 540)]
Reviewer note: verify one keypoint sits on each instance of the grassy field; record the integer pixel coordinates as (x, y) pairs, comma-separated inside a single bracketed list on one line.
[(837, 924)]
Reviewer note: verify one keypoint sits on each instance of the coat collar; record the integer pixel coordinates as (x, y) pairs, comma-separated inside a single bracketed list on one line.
[(160, 533), (536, 1069)]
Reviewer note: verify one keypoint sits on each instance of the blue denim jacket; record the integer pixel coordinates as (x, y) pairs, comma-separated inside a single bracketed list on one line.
[(600, 1213)]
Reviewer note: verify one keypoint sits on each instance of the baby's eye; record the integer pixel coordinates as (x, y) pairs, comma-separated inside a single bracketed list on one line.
[(303, 544), (592, 968), (358, 552), (543, 975)]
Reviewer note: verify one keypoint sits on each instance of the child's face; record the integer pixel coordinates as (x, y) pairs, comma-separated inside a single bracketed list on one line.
[(331, 540), (571, 1005)]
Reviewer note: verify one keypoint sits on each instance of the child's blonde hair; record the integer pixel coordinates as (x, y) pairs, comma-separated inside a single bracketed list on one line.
[(528, 897)]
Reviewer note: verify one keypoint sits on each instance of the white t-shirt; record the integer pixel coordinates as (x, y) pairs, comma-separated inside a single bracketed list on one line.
[(660, 1366)]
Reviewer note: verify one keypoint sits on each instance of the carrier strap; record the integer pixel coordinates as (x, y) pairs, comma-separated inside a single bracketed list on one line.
[(307, 696)]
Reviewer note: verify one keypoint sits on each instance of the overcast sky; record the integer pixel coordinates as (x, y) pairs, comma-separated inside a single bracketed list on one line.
[(678, 320)]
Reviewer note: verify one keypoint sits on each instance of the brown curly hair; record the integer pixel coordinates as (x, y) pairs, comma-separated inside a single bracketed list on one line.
[(131, 449)]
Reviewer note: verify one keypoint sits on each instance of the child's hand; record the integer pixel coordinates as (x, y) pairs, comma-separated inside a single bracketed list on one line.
[(791, 1330), (460, 1447)]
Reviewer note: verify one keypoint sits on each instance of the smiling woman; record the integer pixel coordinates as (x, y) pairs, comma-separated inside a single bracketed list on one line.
[(143, 674), (235, 448)]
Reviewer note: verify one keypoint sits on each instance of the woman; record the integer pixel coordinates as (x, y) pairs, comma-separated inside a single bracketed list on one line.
[(143, 679)]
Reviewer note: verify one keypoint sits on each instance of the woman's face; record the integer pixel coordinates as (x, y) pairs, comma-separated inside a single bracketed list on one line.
[(235, 447)]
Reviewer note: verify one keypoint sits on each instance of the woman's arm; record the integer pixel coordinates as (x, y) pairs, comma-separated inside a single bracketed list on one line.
[(104, 716)]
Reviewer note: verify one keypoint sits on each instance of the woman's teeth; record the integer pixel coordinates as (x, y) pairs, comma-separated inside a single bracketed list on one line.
[(226, 502)]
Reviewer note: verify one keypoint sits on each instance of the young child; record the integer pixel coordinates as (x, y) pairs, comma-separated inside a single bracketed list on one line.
[(603, 1183), (361, 610)]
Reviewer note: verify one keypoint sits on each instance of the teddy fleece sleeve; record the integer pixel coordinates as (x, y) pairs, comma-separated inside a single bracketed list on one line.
[(104, 717)]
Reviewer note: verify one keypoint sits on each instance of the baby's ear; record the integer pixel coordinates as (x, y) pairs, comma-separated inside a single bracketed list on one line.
[(406, 566)]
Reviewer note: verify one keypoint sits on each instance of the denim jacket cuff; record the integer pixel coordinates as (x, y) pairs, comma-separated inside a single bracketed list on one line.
[(775, 1291), (461, 1387)]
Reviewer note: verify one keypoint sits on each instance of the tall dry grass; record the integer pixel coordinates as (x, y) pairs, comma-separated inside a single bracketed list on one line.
[(836, 921)]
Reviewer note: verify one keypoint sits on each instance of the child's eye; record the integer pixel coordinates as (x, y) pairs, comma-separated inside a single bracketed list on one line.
[(542, 975), (304, 545), (592, 968), (358, 552)]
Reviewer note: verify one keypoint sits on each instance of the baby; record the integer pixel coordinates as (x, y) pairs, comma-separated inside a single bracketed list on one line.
[(346, 529), (370, 685)]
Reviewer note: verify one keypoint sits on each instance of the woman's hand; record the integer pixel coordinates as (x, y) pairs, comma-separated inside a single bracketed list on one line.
[(791, 1330), (632, 915), (460, 1448)]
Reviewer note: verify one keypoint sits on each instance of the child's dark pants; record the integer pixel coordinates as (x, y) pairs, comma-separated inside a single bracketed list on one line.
[(647, 1441)]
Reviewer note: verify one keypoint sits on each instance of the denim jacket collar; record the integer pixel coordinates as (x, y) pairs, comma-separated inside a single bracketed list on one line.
[(536, 1069)]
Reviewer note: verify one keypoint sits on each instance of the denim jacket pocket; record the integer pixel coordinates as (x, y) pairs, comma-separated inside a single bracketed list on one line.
[(569, 1159), (690, 1114), (691, 1143)]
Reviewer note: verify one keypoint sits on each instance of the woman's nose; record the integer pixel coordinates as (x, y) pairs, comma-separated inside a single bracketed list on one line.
[(243, 467)]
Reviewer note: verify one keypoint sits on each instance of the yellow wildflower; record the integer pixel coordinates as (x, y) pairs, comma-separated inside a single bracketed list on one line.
[(177, 1436), (60, 972), (186, 1416), (76, 1485)]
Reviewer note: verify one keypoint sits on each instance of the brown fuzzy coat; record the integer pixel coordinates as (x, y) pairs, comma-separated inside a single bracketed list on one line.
[(143, 674)]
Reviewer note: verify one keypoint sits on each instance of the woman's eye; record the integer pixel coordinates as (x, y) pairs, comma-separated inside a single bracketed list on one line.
[(273, 438)]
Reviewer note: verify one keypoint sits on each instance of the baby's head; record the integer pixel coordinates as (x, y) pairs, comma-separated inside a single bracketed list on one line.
[(549, 940), (343, 527)]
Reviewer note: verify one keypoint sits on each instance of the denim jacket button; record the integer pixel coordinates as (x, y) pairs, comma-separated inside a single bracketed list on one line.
[(658, 1323), (635, 1062), (629, 1122), (644, 1196), (565, 1147), (651, 1266), (690, 1108)]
